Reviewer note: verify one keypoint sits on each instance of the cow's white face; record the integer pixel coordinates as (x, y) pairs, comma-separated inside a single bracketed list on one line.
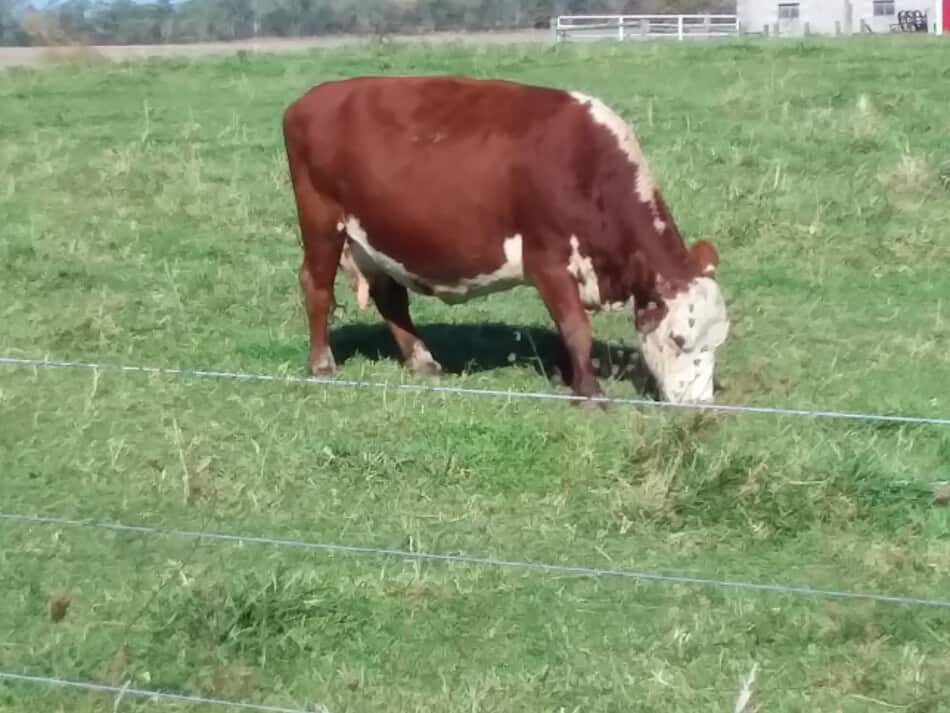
[(681, 351)]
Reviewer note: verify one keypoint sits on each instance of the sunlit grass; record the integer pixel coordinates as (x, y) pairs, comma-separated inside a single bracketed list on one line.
[(145, 218)]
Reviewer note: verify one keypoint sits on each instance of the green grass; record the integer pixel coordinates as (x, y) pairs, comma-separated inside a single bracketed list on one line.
[(146, 219)]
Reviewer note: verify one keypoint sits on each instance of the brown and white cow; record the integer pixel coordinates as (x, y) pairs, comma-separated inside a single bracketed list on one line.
[(458, 187)]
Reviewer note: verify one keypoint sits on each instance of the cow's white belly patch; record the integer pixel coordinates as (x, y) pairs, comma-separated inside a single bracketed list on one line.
[(373, 262)]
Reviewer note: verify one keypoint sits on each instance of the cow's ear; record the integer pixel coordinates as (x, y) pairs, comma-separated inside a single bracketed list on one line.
[(647, 317), (704, 258)]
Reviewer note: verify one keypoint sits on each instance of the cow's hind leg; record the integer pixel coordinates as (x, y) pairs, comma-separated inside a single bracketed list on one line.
[(319, 302), (559, 293), (392, 301), (322, 244)]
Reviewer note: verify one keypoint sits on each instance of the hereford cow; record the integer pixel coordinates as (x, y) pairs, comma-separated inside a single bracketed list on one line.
[(457, 187)]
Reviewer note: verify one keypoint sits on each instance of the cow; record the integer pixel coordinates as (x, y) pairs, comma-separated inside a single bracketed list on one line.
[(457, 187)]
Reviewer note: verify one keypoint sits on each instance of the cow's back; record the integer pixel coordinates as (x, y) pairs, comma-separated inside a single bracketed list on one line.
[(433, 171)]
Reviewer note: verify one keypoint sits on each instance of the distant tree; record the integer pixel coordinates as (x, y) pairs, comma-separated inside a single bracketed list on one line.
[(149, 21)]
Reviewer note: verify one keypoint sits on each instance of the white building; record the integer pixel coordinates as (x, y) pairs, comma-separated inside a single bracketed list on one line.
[(798, 17)]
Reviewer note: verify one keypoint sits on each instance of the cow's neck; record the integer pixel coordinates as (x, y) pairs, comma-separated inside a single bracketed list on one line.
[(655, 248)]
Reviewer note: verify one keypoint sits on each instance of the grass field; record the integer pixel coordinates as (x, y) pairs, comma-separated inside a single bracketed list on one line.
[(145, 218)]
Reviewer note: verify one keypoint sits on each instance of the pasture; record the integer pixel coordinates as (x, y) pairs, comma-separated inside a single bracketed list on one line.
[(146, 218)]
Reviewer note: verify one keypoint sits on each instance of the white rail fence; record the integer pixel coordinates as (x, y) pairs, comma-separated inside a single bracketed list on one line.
[(641, 27)]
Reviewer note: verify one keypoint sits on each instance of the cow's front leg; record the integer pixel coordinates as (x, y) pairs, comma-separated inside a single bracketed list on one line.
[(559, 292), (392, 301)]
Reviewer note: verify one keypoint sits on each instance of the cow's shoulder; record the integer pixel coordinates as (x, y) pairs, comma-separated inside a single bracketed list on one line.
[(622, 141)]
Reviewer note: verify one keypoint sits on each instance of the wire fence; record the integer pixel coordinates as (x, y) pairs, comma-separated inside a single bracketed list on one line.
[(121, 692), (580, 570), (465, 391)]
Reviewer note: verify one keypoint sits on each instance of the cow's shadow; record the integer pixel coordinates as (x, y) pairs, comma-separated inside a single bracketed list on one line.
[(472, 348)]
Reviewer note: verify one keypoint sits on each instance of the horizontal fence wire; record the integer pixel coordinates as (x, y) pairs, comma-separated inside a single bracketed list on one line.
[(476, 560), (460, 390), (122, 691)]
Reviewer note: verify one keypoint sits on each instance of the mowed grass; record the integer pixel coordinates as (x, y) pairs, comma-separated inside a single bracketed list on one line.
[(147, 219)]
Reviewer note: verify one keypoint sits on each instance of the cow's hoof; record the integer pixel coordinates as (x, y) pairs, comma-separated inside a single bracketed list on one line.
[(426, 368), (421, 362), (322, 365), (322, 368)]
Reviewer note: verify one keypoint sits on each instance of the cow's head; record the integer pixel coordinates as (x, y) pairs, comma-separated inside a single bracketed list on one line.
[(682, 327)]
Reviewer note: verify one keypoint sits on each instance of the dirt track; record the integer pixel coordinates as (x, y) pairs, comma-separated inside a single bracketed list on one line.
[(35, 56)]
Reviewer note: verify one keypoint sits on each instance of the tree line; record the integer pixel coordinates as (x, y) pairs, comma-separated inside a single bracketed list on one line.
[(163, 21)]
